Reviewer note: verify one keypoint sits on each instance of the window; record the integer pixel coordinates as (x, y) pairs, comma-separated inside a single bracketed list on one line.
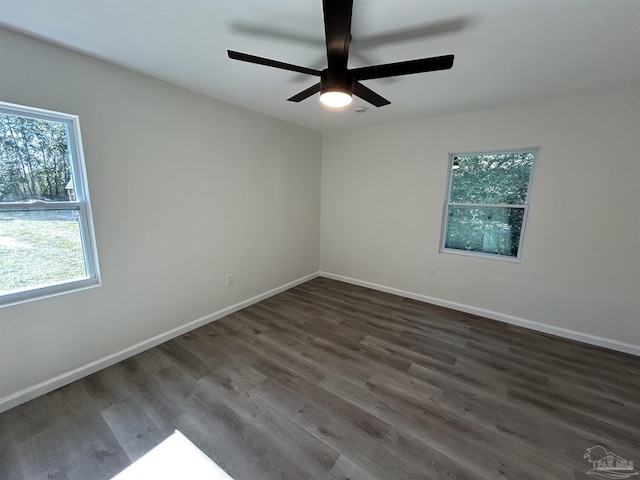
[(47, 243), (487, 203)]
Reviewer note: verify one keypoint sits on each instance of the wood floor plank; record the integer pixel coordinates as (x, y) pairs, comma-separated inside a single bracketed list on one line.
[(104, 388), (430, 460), (244, 442), (81, 448), (10, 467), (444, 432), (344, 469), (556, 442), (24, 421), (45, 456), (334, 381), (135, 431), (151, 394), (287, 437), (358, 435), (178, 351), (214, 442)]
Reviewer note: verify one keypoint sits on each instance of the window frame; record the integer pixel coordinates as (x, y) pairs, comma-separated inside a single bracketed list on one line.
[(523, 206), (81, 205)]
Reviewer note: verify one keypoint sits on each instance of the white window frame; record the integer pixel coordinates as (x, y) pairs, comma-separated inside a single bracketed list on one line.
[(81, 205), (522, 206)]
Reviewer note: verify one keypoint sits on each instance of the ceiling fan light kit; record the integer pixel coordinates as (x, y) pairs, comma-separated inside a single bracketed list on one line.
[(335, 98), (338, 83)]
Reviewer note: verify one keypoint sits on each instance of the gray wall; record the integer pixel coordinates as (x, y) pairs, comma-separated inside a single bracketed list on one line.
[(383, 190), (184, 189)]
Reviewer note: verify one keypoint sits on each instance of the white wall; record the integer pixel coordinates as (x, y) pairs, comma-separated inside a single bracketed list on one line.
[(383, 190), (184, 190)]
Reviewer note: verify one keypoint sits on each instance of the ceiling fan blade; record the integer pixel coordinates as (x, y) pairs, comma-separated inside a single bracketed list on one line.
[(369, 95), (245, 57), (305, 93), (337, 31), (403, 68)]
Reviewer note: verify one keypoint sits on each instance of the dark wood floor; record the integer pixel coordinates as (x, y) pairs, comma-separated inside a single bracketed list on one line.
[(333, 381)]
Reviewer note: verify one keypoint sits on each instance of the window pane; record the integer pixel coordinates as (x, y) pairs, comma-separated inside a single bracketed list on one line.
[(494, 230), (39, 248), (496, 178), (34, 160)]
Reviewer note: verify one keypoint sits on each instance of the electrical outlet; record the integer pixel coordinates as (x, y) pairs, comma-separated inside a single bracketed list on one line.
[(229, 279), (431, 272)]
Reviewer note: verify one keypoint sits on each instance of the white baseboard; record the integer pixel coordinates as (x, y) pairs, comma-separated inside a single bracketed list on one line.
[(521, 322), (51, 384)]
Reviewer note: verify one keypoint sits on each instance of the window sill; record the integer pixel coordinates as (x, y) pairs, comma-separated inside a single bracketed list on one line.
[(485, 256), (48, 291)]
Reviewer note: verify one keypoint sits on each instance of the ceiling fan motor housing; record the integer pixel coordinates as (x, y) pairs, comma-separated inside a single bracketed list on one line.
[(336, 81)]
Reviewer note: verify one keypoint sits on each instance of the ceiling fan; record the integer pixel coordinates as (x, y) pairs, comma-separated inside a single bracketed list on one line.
[(338, 82)]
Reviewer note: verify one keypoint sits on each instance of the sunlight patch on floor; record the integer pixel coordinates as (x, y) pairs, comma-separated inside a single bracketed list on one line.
[(175, 458)]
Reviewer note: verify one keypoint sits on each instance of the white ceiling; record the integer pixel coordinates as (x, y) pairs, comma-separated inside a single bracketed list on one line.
[(507, 52)]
